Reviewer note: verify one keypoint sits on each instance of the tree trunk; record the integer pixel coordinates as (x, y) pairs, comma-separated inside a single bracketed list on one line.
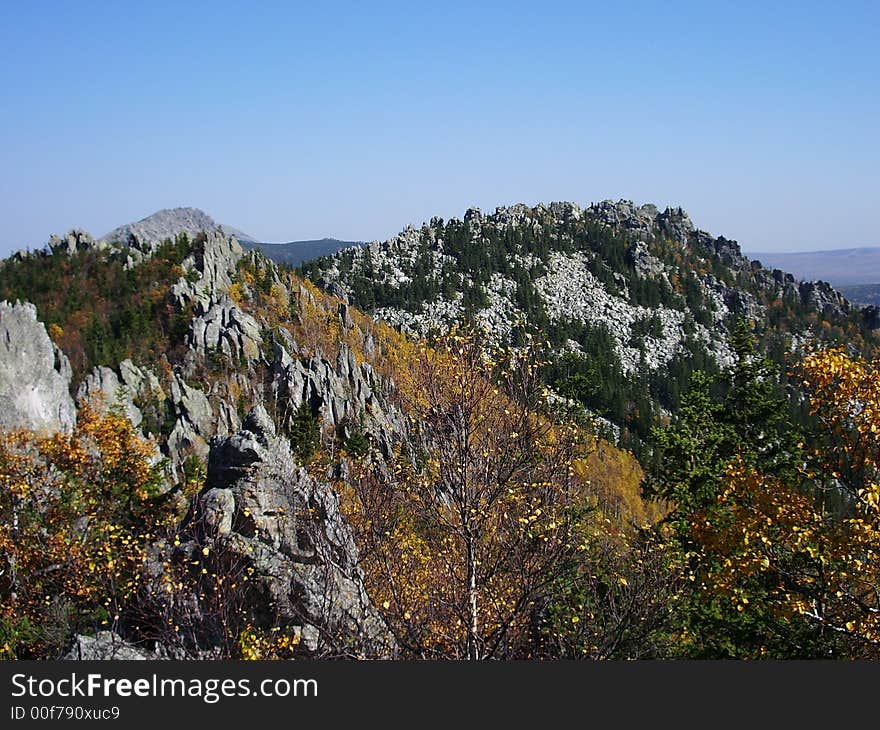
[(473, 629)]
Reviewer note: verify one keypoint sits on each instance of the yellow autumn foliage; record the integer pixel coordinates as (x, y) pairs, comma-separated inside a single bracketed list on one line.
[(76, 518), (814, 544)]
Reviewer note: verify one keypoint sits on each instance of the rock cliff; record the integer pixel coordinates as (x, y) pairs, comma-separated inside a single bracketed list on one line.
[(34, 374)]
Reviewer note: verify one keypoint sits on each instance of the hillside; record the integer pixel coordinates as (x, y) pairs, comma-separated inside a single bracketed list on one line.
[(632, 299), (298, 252), (590, 433), (864, 295), (253, 414)]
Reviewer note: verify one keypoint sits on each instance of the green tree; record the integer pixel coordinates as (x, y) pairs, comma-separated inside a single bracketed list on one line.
[(304, 432), (739, 416)]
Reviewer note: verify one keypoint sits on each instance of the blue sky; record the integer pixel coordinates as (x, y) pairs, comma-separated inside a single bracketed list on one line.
[(352, 120)]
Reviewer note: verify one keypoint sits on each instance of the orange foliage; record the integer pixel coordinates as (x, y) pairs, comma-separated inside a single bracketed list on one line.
[(461, 540), (815, 543), (76, 516)]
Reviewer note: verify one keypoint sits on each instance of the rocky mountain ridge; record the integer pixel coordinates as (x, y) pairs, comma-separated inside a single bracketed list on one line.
[(655, 295), (194, 410), (251, 370)]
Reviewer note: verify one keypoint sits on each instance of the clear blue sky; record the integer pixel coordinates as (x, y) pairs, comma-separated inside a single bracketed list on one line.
[(351, 120)]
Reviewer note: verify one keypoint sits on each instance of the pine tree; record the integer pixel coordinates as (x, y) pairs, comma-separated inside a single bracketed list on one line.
[(305, 433), (739, 418)]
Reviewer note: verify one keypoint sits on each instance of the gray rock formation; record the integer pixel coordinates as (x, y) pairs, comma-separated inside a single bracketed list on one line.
[(106, 645), (626, 215), (675, 224), (347, 396), (168, 223), (259, 510), (644, 263), (208, 272), (102, 389), (225, 329), (195, 422), (34, 374), (822, 297), (192, 405), (75, 240), (140, 381)]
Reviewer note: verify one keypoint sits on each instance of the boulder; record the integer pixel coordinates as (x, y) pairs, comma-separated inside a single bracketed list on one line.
[(107, 645)]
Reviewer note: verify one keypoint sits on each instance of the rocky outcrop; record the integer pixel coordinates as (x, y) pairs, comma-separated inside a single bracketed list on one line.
[(106, 645), (191, 404), (646, 265), (76, 240), (103, 390), (674, 223), (347, 396), (195, 422), (822, 297), (140, 381), (208, 272), (34, 374), (265, 514), (624, 214), (225, 329)]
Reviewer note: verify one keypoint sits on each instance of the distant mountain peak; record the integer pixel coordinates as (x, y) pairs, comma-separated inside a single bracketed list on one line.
[(170, 222)]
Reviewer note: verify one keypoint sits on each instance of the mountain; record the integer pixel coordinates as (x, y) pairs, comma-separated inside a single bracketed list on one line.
[(844, 267), (632, 299), (297, 252), (546, 432), (227, 421), (168, 223)]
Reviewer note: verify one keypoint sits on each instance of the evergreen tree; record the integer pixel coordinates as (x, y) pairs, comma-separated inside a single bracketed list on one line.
[(740, 416), (305, 433)]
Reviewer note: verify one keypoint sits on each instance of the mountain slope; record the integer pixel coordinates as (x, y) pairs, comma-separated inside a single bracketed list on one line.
[(632, 299), (297, 252), (244, 465), (256, 402), (171, 222)]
